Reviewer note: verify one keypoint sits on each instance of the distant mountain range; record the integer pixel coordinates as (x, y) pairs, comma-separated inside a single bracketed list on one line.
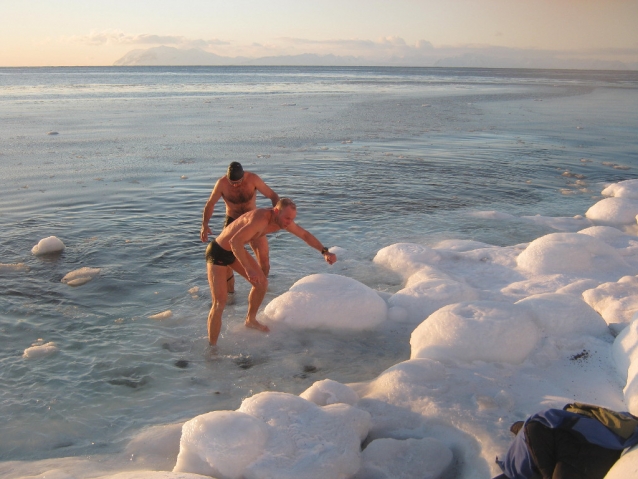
[(171, 56), (165, 56), (487, 58)]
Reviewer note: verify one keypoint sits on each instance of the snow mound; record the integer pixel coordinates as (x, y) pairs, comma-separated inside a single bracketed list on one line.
[(564, 314), (625, 354), (608, 234), (328, 301), (428, 290), (626, 466), (623, 189), (479, 331), (614, 211), (221, 444), (328, 391), (396, 381), (406, 258), (275, 435), (570, 253), (616, 302)]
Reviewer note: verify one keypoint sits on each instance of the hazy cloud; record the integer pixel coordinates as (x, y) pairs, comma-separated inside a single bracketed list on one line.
[(388, 50), (393, 41), (112, 37), (383, 42), (384, 46)]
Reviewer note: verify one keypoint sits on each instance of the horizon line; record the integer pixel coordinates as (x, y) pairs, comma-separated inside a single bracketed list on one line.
[(168, 65)]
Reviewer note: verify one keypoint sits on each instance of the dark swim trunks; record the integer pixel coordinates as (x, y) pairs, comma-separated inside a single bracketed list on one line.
[(228, 220), (219, 256)]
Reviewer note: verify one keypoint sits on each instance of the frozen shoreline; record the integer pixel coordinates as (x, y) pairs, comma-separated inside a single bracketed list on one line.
[(496, 353)]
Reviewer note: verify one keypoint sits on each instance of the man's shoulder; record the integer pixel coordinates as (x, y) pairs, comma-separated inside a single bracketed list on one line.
[(222, 182), (258, 218), (250, 176), (262, 213)]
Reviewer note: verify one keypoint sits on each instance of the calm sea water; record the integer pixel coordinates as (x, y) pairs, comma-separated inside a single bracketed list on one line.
[(118, 163)]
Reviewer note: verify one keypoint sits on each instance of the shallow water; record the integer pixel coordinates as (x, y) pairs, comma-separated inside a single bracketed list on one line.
[(372, 157)]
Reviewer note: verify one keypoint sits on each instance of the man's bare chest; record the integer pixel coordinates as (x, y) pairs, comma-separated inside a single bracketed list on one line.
[(239, 197)]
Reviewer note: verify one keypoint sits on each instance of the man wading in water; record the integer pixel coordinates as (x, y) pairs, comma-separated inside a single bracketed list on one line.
[(239, 189), (229, 249)]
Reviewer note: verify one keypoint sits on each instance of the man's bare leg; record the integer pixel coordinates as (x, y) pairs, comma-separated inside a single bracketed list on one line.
[(219, 293), (261, 249), (255, 297)]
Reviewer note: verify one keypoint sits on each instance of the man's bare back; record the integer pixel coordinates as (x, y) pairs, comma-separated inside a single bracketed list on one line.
[(262, 222)]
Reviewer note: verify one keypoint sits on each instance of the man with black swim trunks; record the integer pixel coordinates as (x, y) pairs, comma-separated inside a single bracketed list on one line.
[(229, 250), (239, 189)]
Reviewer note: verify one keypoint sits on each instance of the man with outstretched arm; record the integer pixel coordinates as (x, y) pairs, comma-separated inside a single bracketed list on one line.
[(239, 189), (229, 249)]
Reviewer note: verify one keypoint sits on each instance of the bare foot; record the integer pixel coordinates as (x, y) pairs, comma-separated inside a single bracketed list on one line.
[(257, 325), (212, 353)]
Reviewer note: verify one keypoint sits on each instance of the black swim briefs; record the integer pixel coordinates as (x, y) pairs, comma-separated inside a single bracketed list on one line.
[(219, 256), (228, 220)]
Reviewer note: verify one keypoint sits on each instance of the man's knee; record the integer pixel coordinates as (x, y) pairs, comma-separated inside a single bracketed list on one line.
[(218, 304), (261, 286)]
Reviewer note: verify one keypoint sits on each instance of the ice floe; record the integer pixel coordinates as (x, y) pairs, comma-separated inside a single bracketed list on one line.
[(163, 315), (48, 245), (40, 349), (80, 276), (8, 267)]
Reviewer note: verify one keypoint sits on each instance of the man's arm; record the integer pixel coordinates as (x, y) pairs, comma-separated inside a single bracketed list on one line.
[(265, 190), (313, 242), (215, 195)]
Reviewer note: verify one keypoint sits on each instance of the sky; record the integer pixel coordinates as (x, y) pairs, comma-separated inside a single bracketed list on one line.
[(89, 32)]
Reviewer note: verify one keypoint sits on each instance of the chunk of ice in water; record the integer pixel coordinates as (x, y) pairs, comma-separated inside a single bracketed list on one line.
[(47, 246)]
